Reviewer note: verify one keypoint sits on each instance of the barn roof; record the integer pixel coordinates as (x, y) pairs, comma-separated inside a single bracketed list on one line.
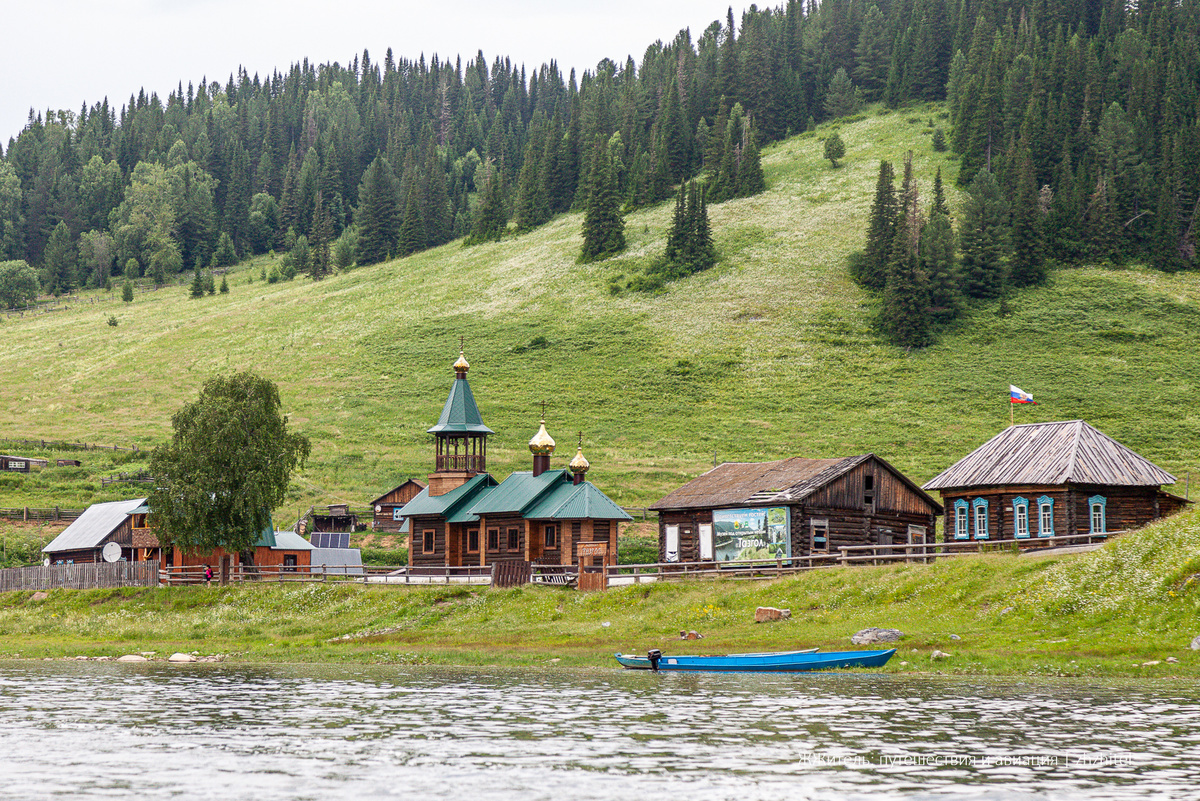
[(460, 415), (1066, 452), (93, 526), (735, 483), (417, 482)]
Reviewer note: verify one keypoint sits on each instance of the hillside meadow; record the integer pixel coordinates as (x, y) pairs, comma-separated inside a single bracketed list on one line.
[(770, 354)]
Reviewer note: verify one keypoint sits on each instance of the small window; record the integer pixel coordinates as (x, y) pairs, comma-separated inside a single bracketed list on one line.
[(916, 535), (1045, 516), (868, 483), (1097, 504), (427, 541), (396, 513), (472, 540), (550, 536), (819, 531), (981, 518), (493, 537), (961, 520), (1020, 518), (289, 563), (514, 539)]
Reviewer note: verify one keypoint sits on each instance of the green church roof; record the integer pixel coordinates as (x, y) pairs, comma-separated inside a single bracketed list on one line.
[(446, 505), (577, 502), (460, 415)]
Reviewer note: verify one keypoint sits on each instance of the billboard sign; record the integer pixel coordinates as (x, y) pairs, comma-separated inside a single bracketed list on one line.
[(763, 533)]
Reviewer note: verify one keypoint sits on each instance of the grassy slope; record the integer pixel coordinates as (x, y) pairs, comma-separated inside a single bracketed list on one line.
[(770, 354), (1102, 613)]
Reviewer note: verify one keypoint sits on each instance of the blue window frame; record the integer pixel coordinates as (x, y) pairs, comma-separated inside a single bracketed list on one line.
[(961, 520), (981, 518), (1020, 518), (1097, 512), (396, 513), (1045, 516)]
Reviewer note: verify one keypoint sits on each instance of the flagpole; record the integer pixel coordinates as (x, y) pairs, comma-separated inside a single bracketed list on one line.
[(1010, 413)]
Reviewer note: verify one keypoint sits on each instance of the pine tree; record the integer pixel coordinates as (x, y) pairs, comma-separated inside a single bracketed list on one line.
[(983, 235), (603, 223)]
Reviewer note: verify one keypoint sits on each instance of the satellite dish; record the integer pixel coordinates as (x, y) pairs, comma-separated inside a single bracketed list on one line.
[(111, 552), (46, 562), (378, 508)]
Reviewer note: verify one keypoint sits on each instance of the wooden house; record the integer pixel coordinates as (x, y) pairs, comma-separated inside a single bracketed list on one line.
[(465, 517), (388, 505), (1047, 479), (99, 525), (792, 507), (272, 549), (14, 464)]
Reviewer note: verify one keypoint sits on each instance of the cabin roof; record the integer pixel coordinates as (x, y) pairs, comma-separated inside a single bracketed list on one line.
[(460, 415), (93, 526), (401, 485), (1066, 452), (290, 541)]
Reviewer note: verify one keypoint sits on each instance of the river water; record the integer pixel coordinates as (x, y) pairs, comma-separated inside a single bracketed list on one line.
[(106, 730)]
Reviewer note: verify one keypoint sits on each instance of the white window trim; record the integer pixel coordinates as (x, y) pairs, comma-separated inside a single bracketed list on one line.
[(962, 514), (1020, 514), (1098, 502), (977, 505), (1045, 503)]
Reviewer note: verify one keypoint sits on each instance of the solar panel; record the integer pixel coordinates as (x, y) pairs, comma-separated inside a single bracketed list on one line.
[(340, 539), (331, 539)]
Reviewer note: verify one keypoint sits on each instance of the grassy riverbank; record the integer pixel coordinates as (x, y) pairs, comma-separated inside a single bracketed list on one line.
[(1102, 613)]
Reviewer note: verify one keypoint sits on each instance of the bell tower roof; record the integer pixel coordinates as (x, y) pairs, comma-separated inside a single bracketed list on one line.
[(460, 415)]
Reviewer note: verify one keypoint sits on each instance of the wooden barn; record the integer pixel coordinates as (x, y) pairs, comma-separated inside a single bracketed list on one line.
[(1051, 479), (100, 524), (272, 549), (465, 517), (792, 507), (388, 505), (14, 464), (336, 518)]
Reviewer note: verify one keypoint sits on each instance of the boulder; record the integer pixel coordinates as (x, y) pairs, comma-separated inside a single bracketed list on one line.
[(1196, 643), (1172, 660), (955, 637), (939, 655), (177, 657), (766, 614), (40, 595), (132, 658), (868, 636)]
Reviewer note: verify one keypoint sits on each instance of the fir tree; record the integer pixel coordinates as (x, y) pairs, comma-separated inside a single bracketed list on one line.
[(1027, 266), (938, 260), (984, 238), (905, 311), (750, 180), (127, 291), (871, 271), (197, 290), (842, 99), (224, 285), (61, 260), (603, 223), (835, 148), (225, 255), (378, 215), (491, 219), (412, 229)]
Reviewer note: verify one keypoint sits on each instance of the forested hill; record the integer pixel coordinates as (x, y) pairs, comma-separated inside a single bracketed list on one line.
[(1103, 97)]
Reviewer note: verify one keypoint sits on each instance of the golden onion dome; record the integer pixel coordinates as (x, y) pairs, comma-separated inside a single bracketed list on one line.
[(461, 365), (579, 464), (542, 443)]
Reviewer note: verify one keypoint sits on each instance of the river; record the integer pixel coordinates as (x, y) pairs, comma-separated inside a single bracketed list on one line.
[(150, 731)]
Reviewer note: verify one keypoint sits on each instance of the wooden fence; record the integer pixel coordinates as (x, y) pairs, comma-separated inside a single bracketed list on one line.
[(82, 576), (498, 574), (929, 552), (26, 513), (60, 445), (127, 478)]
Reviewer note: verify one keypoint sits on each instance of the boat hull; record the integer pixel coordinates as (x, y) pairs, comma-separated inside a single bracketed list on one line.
[(781, 662)]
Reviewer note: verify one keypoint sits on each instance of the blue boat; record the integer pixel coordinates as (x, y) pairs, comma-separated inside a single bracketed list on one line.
[(775, 662)]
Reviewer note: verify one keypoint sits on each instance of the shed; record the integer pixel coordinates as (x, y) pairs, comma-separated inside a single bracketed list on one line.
[(100, 524), (15, 464), (388, 505), (1041, 480), (792, 507)]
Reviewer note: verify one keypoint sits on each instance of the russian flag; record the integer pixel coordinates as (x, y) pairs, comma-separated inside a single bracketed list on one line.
[(1018, 395)]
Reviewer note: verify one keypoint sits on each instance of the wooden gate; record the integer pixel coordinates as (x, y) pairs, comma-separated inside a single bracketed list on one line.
[(593, 576), (511, 573)]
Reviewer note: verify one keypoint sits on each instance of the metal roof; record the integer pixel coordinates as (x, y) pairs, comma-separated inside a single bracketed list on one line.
[(418, 482), (290, 541), (583, 501), (735, 483), (515, 493), (460, 414), (1057, 453), (93, 526), (342, 561), (448, 503)]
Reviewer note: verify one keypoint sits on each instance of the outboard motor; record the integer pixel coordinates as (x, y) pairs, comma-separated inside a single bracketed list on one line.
[(654, 655)]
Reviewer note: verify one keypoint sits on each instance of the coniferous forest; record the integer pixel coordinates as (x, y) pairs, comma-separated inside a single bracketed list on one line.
[(1077, 123)]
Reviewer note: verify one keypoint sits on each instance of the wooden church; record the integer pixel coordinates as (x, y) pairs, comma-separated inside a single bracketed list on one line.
[(544, 515)]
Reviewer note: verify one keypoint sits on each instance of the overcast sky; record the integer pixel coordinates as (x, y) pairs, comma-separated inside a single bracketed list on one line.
[(59, 53)]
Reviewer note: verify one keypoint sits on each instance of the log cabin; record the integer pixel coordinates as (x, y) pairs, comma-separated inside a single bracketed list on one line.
[(100, 524), (388, 505), (792, 507), (1050, 479), (464, 517)]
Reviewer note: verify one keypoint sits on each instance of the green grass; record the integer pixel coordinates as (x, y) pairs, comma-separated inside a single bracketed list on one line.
[(1103, 613), (770, 354)]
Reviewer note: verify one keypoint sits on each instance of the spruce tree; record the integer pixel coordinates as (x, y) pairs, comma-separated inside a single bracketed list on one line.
[(938, 260), (127, 291), (603, 223), (1027, 266), (905, 311), (835, 148), (412, 229), (871, 272), (224, 286), (677, 236), (750, 178), (225, 255), (378, 215), (491, 219), (842, 98), (61, 259), (197, 289), (984, 237)]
